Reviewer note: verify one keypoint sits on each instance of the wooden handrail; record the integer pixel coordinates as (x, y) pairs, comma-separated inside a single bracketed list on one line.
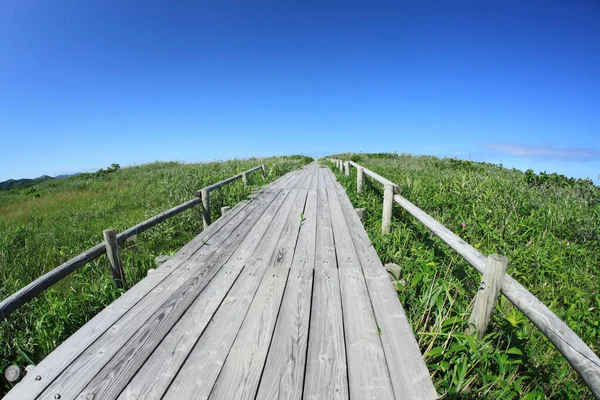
[(575, 351), (17, 299)]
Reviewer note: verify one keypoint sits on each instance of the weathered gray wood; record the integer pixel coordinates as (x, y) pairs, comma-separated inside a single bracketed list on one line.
[(263, 169), (283, 376), (388, 204), (158, 371), (489, 289), (577, 353), (157, 219), (241, 373), (205, 196), (347, 168), (373, 175), (341, 165), (171, 295), (245, 178), (13, 374), (224, 210), (36, 287), (360, 212), (326, 374), (56, 362), (410, 377), (394, 270), (368, 374), (160, 260), (197, 376), (360, 180), (112, 253)]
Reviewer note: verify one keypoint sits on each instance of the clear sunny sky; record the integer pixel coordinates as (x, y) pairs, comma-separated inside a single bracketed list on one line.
[(84, 84)]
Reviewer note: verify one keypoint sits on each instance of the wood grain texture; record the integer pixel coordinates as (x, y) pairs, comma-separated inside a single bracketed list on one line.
[(159, 370), (388, 205), (408, 372), (360, 180), (326, 374), (283, 375), (54, 364), (111, 380), (325, 246), (577, 353), (241, 373), (489, 289), (368, 375), (149, 318), (112, 253), (201, 369)]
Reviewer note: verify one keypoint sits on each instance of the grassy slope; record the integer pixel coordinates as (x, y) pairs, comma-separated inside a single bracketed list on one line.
[(43, 226), (547, 225)]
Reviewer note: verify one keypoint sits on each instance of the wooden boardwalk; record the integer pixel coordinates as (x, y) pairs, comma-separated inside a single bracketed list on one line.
[(282, 297)]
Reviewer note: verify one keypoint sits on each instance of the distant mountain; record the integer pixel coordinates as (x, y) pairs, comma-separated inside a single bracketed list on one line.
[(15, 183)]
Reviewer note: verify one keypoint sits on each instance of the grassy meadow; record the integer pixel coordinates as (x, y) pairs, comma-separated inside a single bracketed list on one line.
[(549, 228), (44, 225)]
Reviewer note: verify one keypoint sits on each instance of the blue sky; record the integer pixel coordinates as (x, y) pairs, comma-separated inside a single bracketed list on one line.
[(84, 84)]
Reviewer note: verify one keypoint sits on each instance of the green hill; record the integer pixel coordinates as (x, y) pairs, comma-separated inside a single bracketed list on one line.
[(23, 183)]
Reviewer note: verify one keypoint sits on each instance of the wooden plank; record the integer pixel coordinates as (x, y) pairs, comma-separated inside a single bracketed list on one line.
[(577, 353), (368, 374), (158, 371), (241, 373), (322, 181), (201, 369), (410, 377), (283, 375), (50, 367), (326, 375), (156, 310)]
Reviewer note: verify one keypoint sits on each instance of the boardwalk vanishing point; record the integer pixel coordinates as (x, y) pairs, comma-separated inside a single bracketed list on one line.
[(283, 297)]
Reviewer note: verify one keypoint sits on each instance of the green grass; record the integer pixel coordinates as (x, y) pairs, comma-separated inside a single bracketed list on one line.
[(47, 224), (549, 228)]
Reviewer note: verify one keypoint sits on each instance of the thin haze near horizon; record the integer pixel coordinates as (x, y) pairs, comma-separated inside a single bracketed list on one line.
[(88, 84)]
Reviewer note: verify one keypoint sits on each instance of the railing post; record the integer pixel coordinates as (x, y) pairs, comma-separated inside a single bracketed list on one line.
[(347, 168), (359, 179), (112, 252), (341, 165), (491, 284), (245, 178), (205, 194), (388, 202), (264, 171)]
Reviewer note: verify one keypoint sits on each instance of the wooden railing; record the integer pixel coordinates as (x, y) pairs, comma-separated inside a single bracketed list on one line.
[(111, 242), (575, 351)]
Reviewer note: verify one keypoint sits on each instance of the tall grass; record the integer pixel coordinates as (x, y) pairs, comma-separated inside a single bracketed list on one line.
[(47, 224), (549, 228)]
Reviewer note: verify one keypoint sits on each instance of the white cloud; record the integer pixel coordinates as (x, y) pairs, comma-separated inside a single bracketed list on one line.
[(546, 152)]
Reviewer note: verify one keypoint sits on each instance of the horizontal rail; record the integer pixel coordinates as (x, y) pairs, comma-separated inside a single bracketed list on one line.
[(229, 180), (17, 299), (373, 175), (575, 351)]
